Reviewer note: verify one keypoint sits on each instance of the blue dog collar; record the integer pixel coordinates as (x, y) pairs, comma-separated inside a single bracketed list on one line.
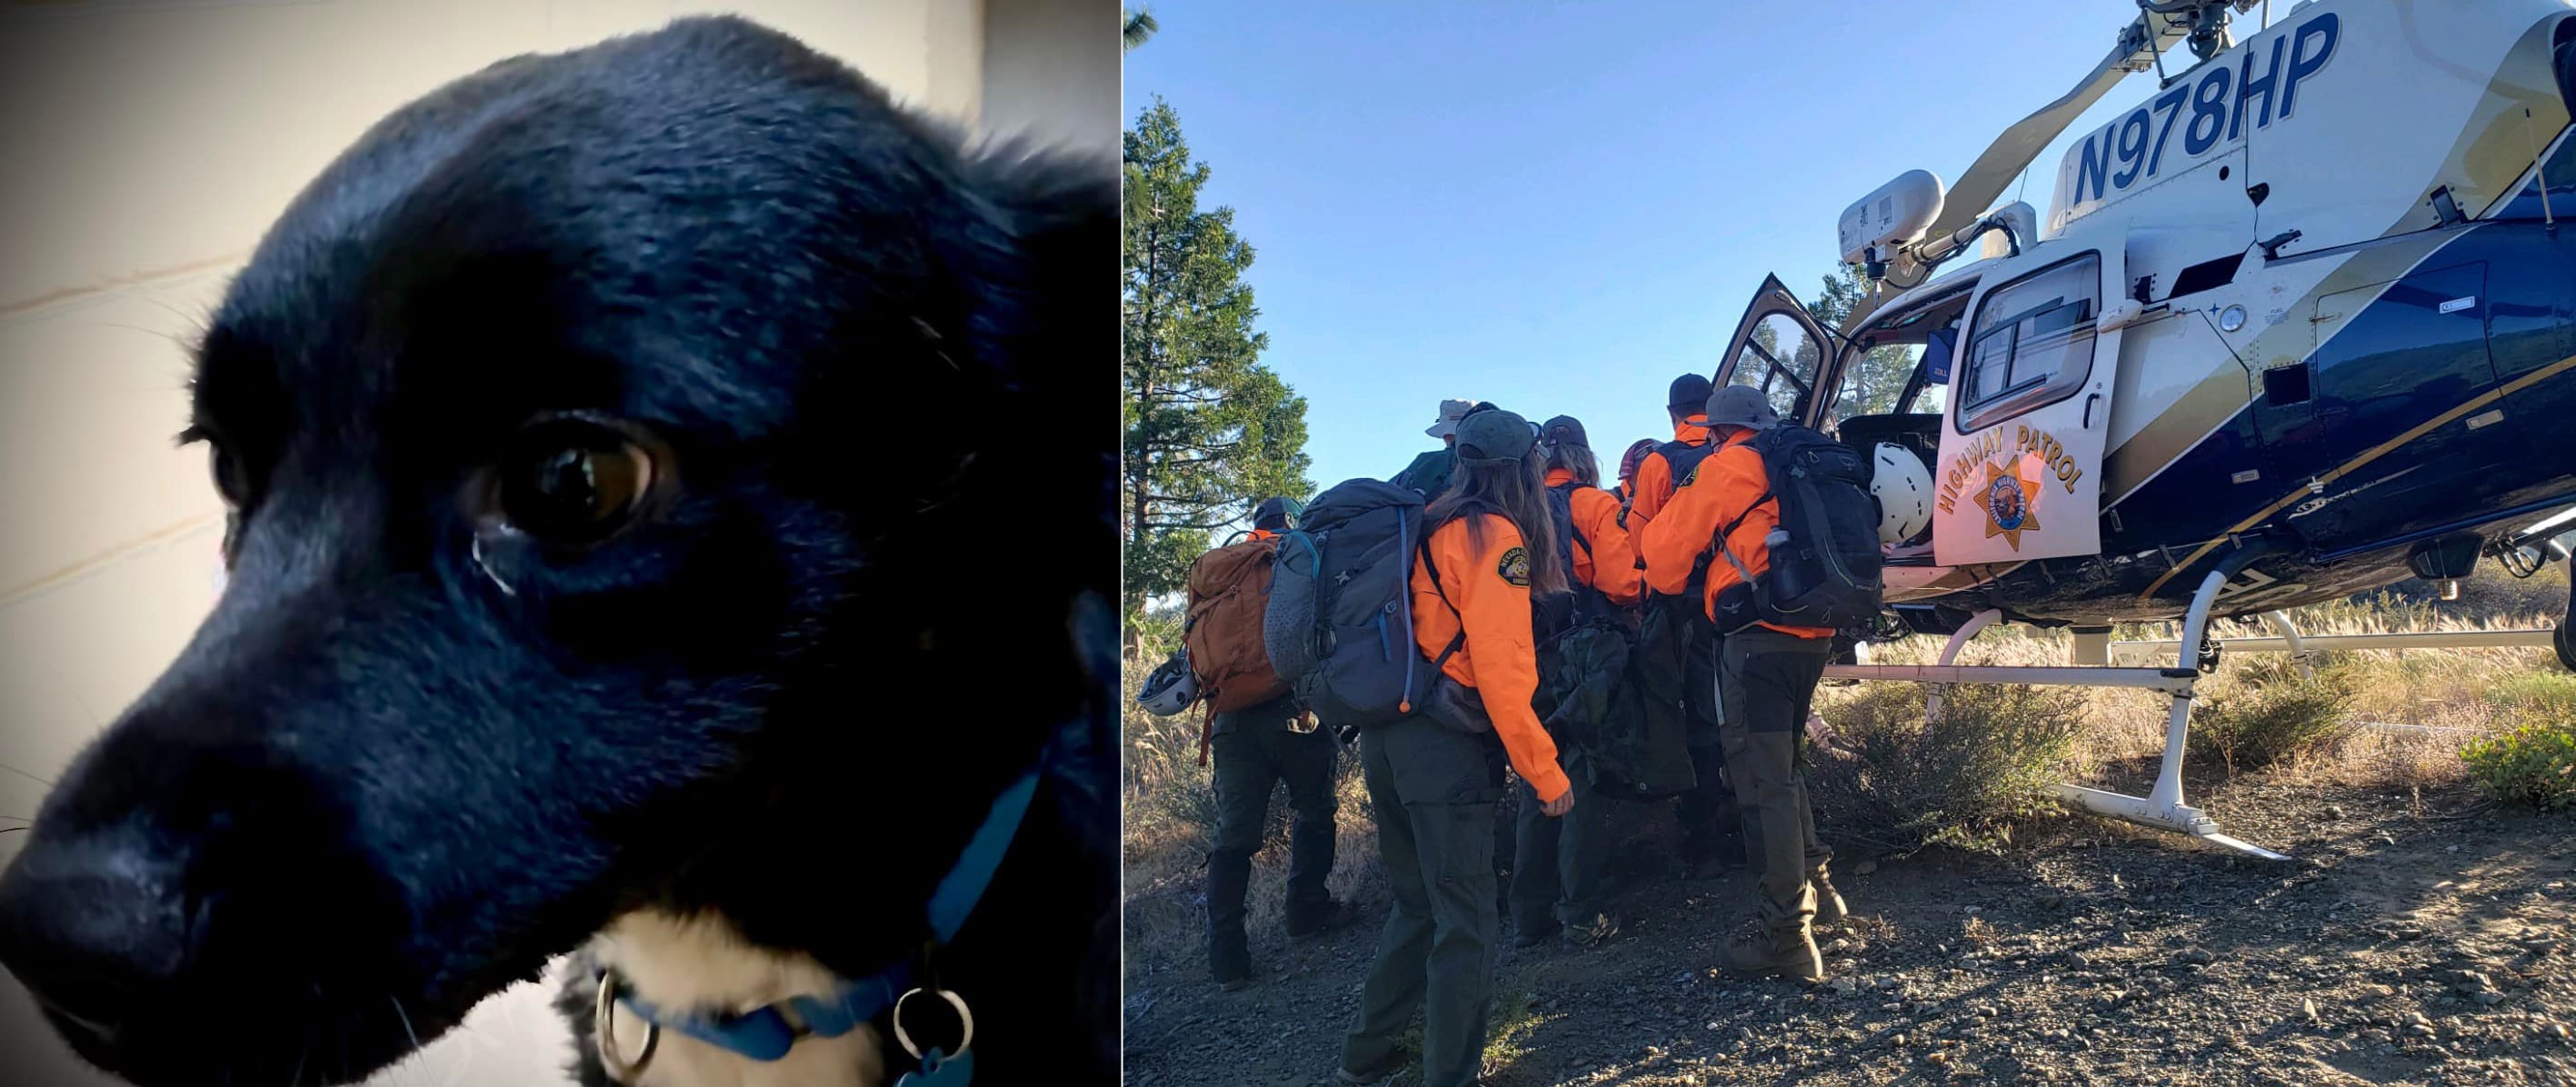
[(767, 1033)]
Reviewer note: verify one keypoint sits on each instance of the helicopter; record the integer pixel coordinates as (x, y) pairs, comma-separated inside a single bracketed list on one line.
[(2300, 324)]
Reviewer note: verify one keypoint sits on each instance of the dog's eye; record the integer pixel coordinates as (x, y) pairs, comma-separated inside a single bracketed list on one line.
[(574, 481), (228, 475)]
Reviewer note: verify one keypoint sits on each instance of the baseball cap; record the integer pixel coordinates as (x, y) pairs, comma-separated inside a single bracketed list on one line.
[(1563, 430), (1689, 391), (1494, 437)]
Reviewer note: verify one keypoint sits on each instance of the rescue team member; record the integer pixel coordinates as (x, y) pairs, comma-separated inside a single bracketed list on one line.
[(1431, 777), (1430, 472), (1253, 749), (1556, 870), (1677, 652), (1767, 683), (1685, 401), (1604, 558), (1627, 487)]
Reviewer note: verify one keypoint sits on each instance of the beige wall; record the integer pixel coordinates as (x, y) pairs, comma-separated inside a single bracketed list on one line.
[(147, 146), (1042, 78)]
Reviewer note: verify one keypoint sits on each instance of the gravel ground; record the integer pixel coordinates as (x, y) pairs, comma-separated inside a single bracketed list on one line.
[(2419, 938)]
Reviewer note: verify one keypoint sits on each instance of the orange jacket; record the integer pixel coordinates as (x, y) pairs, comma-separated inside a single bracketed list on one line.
[(1655, 483), (1500, 657), (1261, 534), (1603, 556), (1725, 486)]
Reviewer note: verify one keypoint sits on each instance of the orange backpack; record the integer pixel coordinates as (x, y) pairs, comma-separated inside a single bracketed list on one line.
[(1229, 591)]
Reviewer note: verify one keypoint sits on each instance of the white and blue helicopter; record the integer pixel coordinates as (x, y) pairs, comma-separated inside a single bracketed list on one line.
[(2299, 325)]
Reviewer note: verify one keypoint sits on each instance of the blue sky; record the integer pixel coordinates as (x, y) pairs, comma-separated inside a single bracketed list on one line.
[(1560, 207)]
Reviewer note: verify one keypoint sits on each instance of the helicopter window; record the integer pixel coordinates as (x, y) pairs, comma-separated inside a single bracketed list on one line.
[(1902, 366), (1874, 380), (1780, 359), (2032, 341)]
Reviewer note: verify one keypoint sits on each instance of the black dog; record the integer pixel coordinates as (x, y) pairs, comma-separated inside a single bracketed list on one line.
[(671, 488)]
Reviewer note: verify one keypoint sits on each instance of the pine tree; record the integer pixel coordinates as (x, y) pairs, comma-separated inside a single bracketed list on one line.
[(1872, 382), (1210, 430), (1135, 26)]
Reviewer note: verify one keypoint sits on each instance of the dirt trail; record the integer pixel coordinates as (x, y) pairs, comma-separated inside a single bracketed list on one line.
[(2415, 939)]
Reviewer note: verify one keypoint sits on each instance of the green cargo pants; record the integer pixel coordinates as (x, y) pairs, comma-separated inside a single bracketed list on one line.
[(1767, 681), (1556, 871), (1434, 789), (1255, 751)]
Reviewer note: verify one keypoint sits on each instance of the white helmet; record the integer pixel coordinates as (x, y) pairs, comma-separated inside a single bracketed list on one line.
[(1904, 490), (1170, 688)]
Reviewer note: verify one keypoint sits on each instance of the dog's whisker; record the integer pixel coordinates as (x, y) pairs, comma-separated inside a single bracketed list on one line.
[(301, 1055), (406, 1020)]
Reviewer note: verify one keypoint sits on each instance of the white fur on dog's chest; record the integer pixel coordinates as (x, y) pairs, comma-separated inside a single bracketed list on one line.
[(703, 962)]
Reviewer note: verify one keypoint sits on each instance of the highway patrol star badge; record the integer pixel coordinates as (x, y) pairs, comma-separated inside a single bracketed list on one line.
[(2008, 503)]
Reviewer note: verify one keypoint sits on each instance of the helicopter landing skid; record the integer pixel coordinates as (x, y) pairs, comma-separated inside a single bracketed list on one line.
[(2163, 806), (2145, 812)]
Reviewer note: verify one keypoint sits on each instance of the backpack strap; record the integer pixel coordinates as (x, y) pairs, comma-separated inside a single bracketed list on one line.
[(1719, 544), (1422, 554)]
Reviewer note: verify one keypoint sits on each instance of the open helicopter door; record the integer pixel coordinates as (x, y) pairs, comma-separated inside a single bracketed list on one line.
[(1778, 348), (2020, 469)]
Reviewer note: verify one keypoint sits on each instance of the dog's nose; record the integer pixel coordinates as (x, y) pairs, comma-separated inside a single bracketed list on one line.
[(92, 927)]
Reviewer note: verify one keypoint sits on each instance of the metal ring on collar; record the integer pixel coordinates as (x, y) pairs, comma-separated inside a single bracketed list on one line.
[(604, 1034), (954, 1001)]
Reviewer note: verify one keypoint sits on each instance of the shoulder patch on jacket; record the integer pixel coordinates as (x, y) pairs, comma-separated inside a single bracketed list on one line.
[(1515, 566), (1693, 477)]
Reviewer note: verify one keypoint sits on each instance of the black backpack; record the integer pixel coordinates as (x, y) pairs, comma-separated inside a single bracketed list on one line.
[(1825, 558), (1588, 695), (1339, 625)]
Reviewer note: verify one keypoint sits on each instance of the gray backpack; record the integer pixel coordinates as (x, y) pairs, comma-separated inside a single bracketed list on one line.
[(1339, 626)]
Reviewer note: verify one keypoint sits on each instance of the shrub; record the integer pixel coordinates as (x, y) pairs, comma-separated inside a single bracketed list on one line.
[(1992, 760), (2534, 764), (2269, 720), (2540, 698)]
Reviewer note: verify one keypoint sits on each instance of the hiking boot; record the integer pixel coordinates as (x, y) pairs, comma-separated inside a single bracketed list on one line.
[(1311, 921), (1532, 937), (1592, 933), (1829, 902), (1365, 1079), (1231, 963), (1788, 951)]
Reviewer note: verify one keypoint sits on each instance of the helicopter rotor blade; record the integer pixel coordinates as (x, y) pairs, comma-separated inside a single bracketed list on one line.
[(1974, 193)]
